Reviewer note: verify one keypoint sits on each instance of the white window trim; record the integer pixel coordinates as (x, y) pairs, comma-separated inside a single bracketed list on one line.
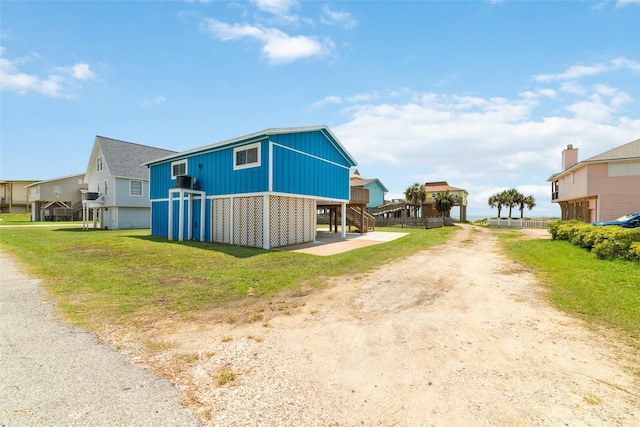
[(178, 162), (131, 181), (99, 164), (247, 165)]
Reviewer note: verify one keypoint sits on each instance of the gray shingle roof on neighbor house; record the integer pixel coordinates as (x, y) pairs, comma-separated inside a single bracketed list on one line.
[(125, 159), (627, 151)]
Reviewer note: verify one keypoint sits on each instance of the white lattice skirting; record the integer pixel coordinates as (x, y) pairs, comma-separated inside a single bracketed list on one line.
[(241, 220)]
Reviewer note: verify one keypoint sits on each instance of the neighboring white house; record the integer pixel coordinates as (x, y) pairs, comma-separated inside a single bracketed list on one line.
[(118, 184)]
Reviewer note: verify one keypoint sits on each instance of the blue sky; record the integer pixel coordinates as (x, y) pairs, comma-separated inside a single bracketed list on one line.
[(482, 94)]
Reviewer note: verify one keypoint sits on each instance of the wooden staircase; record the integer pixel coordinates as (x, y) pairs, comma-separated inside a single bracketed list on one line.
[(357, 217)]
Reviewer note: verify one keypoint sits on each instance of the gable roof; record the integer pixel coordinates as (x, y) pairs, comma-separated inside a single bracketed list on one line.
[(357, 181), (125, 159), (79, 175), (628, 151), (254, 137)]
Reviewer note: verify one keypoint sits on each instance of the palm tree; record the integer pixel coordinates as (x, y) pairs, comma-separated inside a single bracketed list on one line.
[(415, 195), (498, 200), (512, 198), (528, 202), (444, 201)]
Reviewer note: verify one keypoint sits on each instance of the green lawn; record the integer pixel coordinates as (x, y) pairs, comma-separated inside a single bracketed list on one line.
[(603, 292), (116, 276), (127, 276)]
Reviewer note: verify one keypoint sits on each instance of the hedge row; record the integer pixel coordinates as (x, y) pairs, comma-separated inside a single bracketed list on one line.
[(609, 242)]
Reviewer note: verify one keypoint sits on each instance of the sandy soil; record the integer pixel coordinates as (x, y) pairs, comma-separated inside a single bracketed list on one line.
[(456, 335)]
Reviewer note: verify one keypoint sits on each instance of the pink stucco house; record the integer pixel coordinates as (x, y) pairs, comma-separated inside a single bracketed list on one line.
[(600, 188)]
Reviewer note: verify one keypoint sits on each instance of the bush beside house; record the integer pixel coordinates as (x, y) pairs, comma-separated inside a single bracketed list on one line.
[(604, 242)]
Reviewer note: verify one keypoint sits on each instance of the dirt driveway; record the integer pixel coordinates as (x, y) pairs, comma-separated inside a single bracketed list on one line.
[(456, 335)]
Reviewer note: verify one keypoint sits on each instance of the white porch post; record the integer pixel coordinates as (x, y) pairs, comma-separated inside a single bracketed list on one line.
[(181, 217), (190, 217), (170, 229), (266, 222), (95, 218), (203, 205), (343, 220)]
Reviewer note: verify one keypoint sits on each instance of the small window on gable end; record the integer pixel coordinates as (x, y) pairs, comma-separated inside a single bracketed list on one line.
[(247, 156), (178, 168), (135, 188), (99, 165)]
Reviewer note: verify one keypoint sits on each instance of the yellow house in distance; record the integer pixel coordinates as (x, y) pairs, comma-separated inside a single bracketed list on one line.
[(433, 188), (14, 197)]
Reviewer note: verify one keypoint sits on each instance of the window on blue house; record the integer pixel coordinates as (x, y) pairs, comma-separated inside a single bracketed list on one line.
[(247, 156), (178, 168)]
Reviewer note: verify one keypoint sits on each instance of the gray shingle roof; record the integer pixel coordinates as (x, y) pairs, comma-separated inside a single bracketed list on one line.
[(124, 159), (630, 150)]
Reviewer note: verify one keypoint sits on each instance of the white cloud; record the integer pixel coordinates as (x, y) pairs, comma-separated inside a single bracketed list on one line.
[(278, 47), (59, 83), (82, 72), (573, 88), (332, 17), (155, 101), (622, 3), (483, 144), (329, 100), (276, 7), (578, 71)]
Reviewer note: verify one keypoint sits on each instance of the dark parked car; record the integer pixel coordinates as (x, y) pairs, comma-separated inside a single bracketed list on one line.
[(628, 221)]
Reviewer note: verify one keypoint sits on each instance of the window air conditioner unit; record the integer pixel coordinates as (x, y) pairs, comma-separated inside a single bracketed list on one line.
[(185, 181)]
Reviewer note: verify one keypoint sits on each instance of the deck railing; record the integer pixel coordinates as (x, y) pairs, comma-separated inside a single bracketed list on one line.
[(412, 222), (388, 208), (359, 195)]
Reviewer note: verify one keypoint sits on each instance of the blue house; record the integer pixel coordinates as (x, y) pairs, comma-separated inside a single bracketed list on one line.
[(376, 188), (260, 190)]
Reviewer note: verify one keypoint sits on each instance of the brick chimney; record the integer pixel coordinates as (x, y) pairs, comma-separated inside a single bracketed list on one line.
[(569, 157)]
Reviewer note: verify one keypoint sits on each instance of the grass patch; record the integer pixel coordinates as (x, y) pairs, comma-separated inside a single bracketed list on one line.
[(127, 277), (226, 376), (14, 218), (603, 292)]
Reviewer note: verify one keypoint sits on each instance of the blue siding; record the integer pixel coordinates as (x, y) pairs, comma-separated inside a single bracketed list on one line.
[(376, 194), (297, 173), (314, 143), (159, 218), (159, 180), (214, 174), (318, 168)]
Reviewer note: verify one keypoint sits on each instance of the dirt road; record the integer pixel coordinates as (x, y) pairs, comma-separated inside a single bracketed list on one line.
[(454, 336)]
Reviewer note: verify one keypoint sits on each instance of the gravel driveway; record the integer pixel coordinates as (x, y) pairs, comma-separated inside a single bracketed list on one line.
[(56, 375)]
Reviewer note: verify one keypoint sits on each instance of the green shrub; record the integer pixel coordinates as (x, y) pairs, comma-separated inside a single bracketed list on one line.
[(619, 244), (594, 236), (635, 250), (609, 242), (567, 230)]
